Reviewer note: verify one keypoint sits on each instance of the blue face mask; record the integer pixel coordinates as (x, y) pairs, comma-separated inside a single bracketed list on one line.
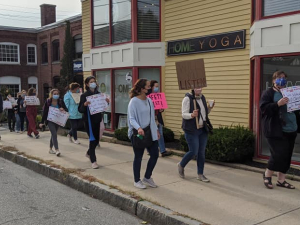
[(93, 85), (77, 91), (55, 97), (280, 82), (156, 89)]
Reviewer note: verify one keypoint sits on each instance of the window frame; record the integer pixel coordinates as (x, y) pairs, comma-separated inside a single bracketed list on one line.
[(12, 44), (259, 12), (77, 37), (42, 62), (134, 26), (52, 51), (35, 52)]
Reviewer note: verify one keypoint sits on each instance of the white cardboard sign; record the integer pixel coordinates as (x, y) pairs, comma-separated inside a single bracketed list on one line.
[(98, 103), (32, 100), (7, 105), (293, 94), (57, 116)]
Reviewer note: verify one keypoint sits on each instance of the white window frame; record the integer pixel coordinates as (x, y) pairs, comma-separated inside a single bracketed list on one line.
[(14, 44), (32, 45)]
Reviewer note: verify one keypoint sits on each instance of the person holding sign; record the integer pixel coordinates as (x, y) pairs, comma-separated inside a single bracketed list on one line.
[(196, 137), (280, 129), (11, 114), (31, 113), (56, 102), (75, 115), (143, 132), (22, 110), (159, 121), (92, 122)]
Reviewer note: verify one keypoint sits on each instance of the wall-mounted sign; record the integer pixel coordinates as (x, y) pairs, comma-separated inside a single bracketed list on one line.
[(77, 66), (216, 42)]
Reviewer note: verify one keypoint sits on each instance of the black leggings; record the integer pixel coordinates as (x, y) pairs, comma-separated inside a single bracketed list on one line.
[(74, 128), (11, 117), (281, 152), (93, 144), (22, 119)]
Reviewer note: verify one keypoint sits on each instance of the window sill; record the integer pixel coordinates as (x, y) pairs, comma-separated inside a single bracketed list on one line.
[(31, 64), (7, 63), (55, 62), (44, 64)]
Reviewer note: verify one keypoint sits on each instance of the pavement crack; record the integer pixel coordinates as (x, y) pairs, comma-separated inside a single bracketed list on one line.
[(282, 214)]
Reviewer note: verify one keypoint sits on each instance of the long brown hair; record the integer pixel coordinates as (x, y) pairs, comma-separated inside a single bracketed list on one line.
[(137, 88), (30, 91)]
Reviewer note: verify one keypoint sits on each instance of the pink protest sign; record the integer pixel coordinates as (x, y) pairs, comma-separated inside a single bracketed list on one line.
[(159, 100)]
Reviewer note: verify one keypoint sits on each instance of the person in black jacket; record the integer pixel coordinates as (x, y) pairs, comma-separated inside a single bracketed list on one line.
[(159, 121), (280, 129), (92, 122), (11, 115), (56, 102), (1, 108)]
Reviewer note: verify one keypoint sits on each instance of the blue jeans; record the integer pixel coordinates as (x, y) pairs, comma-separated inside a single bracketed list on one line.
[(18, 122), (161, 141), (197, 143), (138, 156)]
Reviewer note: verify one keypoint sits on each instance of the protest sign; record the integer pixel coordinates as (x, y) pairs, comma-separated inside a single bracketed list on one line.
[(76, 97), (159, 100), (32, 100), (293, 94), (57, 116), (191, 74), (13, 101), (98, 103), (7, 105)]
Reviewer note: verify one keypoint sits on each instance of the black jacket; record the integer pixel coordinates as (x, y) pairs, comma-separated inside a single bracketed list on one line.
[(47, 104), (96, 118), (190, 126), (271, 113), (1, 104)]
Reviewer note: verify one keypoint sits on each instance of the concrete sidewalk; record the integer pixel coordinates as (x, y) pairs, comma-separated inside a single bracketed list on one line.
[(233, 197)]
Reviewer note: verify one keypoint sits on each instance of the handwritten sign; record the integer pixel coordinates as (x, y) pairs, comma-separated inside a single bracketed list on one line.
[(293, 94), (98, 103), (13, 101), (159, 100), (57, 116), (191, 74), (7, 105), (32, 100), (76, 97)]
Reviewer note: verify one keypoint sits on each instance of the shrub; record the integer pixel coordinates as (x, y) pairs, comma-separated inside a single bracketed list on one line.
[(122, 134), (168, 135), (228, 144)]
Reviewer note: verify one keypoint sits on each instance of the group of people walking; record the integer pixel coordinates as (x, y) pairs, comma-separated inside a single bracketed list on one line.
[(145, 127)]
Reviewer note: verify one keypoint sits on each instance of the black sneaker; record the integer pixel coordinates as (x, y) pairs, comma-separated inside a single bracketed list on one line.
[(29, 135), (166, 153), (11, 130), (37, 136)]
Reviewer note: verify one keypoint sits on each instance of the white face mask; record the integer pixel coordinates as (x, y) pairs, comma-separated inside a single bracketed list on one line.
[(93, 85)]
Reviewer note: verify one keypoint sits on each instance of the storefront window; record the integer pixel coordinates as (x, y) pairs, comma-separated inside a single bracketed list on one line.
[(291, 66), (274, 7), (101, 22), (150, 74), (122, 89), (104, 82)]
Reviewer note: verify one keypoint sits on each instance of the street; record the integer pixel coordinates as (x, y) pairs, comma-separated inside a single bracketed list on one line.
[(29, 198)]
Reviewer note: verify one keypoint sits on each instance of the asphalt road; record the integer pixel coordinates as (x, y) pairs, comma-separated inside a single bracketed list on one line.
[(28, 198)]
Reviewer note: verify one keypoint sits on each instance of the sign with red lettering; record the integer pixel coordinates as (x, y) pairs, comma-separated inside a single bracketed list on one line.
[(191, 74), (159, 100)]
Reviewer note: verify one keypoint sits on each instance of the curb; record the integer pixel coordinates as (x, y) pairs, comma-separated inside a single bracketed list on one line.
[(144, 210)]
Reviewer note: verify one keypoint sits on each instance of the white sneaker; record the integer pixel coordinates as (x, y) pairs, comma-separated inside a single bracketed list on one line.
[(51, 151), (76, 142), (70, 138), (203, 178), (95, 165), (140, 185), (149, 182), (57, 152)]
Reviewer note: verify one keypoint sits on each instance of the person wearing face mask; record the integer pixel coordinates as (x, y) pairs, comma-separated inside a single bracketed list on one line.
[(196, 137), (22, 110), (11, 115), (140, 119), (31, 113), (280, 129), (159, 121), (17, 116), (92, 122), (56, 102), (75, 115)]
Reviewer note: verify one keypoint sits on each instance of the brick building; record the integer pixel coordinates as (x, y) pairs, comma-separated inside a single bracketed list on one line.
[(30, 57)]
